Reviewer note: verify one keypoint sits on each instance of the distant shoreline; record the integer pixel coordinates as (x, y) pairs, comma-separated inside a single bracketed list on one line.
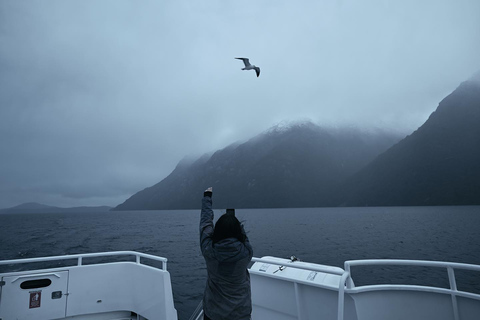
[(33, 207)]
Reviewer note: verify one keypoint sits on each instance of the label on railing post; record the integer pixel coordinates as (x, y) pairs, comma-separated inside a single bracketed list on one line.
[(264, 267), (35, 299)]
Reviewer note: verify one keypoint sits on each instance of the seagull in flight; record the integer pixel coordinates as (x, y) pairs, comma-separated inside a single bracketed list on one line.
[(249, 66)]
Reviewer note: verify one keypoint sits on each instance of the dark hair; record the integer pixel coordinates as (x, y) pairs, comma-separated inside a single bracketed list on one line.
[(227, 226)]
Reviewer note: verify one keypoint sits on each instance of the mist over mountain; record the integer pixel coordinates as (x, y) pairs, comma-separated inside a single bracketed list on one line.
[(287, 166), (304, 165), (439, 164), (475, 77)]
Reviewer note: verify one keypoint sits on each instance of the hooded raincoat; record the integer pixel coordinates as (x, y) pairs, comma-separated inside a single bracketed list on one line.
[(227, 293)]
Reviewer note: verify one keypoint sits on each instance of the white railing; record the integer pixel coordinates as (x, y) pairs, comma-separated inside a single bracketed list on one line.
[(346, 282), (329, 270), (450, 266), (80, 257)]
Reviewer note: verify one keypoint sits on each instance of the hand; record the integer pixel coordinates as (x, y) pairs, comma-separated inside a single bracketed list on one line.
[(208, 192)]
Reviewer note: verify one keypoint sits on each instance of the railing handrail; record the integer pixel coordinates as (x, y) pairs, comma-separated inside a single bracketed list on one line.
[(450, 266), (415, 263), (81, 256), (302, 265), (346, 281)]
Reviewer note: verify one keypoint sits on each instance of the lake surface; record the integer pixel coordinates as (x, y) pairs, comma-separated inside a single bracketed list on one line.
[(321, 235)]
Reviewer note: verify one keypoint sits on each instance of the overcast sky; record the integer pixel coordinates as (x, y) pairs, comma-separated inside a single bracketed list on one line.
[(100, 99)]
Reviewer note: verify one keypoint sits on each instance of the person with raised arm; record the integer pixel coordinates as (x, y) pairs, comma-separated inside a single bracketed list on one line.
[(227, 252)]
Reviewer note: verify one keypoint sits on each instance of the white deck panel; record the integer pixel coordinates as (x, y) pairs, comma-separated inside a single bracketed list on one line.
[(102, 291)]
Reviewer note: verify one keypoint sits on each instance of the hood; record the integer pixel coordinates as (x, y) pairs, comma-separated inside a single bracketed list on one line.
[(230, 250)]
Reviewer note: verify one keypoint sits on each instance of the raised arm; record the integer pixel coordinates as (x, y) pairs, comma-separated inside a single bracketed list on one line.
[(206, 223)]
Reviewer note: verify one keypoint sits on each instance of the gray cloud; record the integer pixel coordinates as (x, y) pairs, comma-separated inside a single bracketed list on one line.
[(101, 99)]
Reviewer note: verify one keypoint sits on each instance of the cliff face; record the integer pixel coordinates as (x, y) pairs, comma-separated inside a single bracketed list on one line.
[(439, 164), (297, 166)]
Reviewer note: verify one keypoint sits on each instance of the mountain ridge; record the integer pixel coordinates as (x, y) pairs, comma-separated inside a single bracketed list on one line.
[(288, 166)]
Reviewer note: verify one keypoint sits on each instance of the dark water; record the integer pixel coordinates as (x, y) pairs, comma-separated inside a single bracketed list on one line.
[(320, 235)]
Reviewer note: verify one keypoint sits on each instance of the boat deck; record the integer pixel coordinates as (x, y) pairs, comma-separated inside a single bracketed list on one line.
[(282, 289)]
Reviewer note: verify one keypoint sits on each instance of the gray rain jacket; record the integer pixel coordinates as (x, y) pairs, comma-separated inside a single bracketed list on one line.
[(227, 293)]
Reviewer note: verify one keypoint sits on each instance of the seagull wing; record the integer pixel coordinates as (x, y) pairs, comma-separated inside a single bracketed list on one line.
[(257, 71), (245, 61)]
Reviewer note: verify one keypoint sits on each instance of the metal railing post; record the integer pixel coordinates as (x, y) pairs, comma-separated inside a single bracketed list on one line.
[(453, 288), (341, 295), (349, 279), (297, 300)]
